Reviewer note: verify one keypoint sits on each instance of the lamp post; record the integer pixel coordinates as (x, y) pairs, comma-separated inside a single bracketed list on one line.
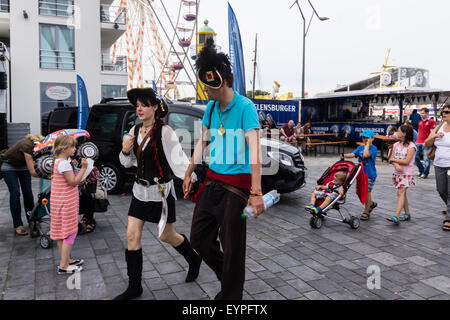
[(305, 32)]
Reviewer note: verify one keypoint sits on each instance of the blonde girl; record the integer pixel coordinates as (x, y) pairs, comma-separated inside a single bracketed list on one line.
[(64, 203)]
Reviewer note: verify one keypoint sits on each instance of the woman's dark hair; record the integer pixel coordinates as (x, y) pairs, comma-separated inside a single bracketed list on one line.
[(409, 133), (445, 106)]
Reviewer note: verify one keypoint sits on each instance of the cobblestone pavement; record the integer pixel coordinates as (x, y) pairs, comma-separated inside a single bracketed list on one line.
[(286, 258)]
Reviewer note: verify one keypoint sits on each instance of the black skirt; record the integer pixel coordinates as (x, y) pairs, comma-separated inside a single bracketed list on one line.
[(151, 210)]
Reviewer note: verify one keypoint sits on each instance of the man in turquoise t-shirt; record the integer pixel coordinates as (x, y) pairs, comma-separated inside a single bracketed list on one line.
[(229, 153), (367, 154), (233, 178)]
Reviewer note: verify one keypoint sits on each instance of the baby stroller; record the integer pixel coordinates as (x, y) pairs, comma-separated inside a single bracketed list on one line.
[(352, 170), (41, 215)]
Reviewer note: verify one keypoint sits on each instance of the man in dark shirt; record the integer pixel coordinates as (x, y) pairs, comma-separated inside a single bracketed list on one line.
[(415, 118), (287, 132)]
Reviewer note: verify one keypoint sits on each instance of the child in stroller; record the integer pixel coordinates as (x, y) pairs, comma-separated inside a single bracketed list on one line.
[(330, 193)]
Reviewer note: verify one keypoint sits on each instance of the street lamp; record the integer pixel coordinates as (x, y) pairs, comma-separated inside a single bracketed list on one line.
[(305, 32)]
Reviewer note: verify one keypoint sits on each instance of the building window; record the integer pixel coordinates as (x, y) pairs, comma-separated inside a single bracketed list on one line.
[(113, 14), (113, 91), (55, 95), (56, 7), (119, 64), (56, 47), (4, 5)]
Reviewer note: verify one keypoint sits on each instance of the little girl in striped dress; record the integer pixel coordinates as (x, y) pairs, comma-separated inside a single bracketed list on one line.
[(64, 203)]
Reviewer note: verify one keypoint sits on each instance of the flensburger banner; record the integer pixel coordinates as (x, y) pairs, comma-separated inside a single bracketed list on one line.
[(236, 55), (350, 131), (281, 111)]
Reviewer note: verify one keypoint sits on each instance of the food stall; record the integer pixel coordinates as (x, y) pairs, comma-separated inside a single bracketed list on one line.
[(349, 113)]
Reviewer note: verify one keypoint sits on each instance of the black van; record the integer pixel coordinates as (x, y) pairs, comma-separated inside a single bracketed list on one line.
[(109, 120), (58, 119)]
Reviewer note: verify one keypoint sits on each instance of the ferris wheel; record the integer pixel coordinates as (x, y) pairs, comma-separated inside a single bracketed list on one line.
[(155, 37)]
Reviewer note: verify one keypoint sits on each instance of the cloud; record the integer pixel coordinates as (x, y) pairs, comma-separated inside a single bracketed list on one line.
[(343, 49)]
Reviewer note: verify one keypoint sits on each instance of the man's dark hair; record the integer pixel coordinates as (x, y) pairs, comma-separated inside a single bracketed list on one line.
[(425, 110), (414, 111)]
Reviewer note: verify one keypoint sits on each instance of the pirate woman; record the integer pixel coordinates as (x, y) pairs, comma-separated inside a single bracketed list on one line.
[(159, 157)]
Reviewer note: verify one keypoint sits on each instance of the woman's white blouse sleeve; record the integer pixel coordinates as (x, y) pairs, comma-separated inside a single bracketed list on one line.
[(174, 153)]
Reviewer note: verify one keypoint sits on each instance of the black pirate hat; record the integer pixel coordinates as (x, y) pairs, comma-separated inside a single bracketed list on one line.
[(148, 94), (212, 67)]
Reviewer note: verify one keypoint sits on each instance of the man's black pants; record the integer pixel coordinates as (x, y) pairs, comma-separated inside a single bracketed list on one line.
[(218, 213)]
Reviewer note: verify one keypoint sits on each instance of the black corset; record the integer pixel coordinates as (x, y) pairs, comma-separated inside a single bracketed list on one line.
[(147, 168)]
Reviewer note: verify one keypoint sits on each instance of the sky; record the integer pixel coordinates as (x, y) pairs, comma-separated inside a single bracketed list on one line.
[(344, 49)]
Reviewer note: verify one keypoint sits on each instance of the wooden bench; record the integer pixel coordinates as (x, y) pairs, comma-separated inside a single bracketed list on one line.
[(317, 143)]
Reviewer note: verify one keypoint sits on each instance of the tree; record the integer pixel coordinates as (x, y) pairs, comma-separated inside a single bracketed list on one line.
[(257, 93)]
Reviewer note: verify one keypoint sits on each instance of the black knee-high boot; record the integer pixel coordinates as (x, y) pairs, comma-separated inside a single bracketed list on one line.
[(191, 257), (134, 271)]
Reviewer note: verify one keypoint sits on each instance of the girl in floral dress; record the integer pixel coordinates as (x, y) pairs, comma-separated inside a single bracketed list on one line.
[(402, 158), (64, 203)]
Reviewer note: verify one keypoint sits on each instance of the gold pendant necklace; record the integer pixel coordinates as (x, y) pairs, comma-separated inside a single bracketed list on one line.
[(222, 129)]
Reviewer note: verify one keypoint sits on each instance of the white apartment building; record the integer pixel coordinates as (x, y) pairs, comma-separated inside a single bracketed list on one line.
[(49, 42)]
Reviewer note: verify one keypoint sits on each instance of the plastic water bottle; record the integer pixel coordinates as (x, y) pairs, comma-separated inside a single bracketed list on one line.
[(127, 136), (269, 199)]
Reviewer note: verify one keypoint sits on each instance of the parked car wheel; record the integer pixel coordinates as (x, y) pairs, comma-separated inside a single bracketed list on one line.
[(44, 165), (88, 150), (111, 178)]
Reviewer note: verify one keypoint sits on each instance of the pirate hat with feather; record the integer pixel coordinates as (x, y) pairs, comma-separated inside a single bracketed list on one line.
[(212, 66)]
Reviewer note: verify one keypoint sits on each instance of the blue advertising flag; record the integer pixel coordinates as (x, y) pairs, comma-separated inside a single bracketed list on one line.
[(83, 104), (236, 55), (154, 86)]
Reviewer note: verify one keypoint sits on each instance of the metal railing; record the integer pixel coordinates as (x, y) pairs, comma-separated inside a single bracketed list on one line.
[(56, 8), (4, 6), (113, 14), (55, 59), (120, 65)]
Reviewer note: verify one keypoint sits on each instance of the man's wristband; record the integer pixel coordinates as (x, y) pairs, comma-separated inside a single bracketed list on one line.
[(256, 194), (126, 154)]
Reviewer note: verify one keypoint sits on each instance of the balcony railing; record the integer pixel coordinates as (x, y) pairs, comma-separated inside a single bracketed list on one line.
[(120, 65), (54, 59), (113, 14), (57, 8), (4, 5)]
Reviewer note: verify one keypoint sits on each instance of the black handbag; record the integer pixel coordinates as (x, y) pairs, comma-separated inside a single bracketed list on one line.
[(101, 205)]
